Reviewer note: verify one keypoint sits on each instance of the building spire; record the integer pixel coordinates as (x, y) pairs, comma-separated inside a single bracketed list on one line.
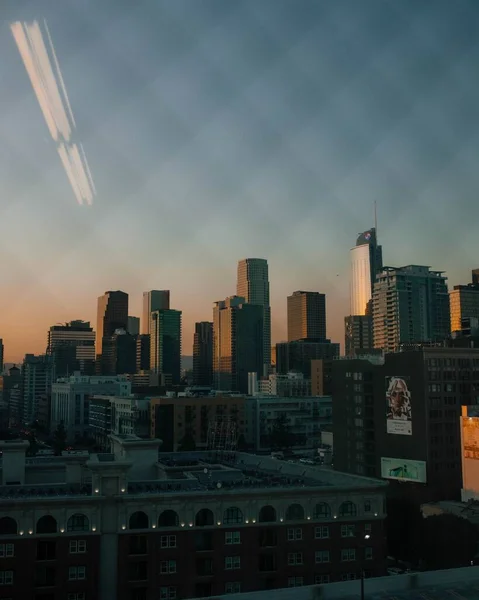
[(376, 219)]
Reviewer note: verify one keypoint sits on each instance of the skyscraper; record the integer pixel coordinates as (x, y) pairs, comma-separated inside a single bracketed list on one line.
[(464, 302), (72, 348), (366, 262), (203, 354), (410, 304), (165, 344), (153, 300), (307, 316), (253, 286), (36, 382), (1, 355), (134, 325), (237, 343), (112, 315)]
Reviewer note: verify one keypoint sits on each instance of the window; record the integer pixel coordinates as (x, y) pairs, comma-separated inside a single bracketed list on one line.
[(295, 558), (319, 579), (8, 526), (138, 544), (232, 515), (267, 538), (46, 550), (367, 506), (367, 528), (232, 587), (232, 537), (347, 509), (168, 518), (322, 511), (348, 554), (168, 592), (138, 571), (78, 522), (139, 520), (168, 541), (321, 532), (77, 546), (348, 576), (204, 518), (295, 533), (76, 573), (7, 550), (267, 514), (368, 553), (203, 541), (46, 524), (295, 581), (232, 563), (321, 556), (294, 512), (167, 567), (6, 577), (348, 531), (76, 596)]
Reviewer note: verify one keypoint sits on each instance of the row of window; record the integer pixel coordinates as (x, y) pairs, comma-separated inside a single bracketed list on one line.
[(47, 524), (75, 573)]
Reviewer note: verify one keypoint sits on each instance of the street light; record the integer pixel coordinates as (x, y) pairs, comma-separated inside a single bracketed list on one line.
[(366, 537)]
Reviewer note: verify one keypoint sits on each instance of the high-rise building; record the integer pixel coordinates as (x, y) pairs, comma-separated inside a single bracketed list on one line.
[(119, 353), (410, 304), (72, 348), (112, 315), (307, 316), (36, 382), (358, 333), (142, 353), (1, 355), (165, 344), (237, 343), (253, 286), (366, 262), (297, 356), (203, 353), (153, 300), (134, 325), (464, 302)]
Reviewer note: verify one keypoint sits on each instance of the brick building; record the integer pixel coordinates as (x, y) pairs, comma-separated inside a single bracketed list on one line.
[(128, 526)]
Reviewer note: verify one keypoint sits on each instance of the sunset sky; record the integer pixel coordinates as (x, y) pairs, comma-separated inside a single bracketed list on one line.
[(217, 130)]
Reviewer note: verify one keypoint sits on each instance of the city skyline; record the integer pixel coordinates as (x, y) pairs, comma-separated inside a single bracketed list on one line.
[(252, 130)]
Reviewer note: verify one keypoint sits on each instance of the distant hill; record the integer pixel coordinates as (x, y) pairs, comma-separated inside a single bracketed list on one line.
[(187, 363)]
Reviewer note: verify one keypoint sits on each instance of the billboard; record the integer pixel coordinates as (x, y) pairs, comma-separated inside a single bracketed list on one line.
[(470, 437), (398, 406), (403, 469)]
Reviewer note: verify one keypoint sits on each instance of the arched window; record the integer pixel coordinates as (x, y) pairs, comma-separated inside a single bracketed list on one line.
[(232, 515), (294, 512), (204, 517), (322, 510), (267, 514), (347, 509), (47, 524), (168, 518), (139, 520), (8, 526), (78, 522)]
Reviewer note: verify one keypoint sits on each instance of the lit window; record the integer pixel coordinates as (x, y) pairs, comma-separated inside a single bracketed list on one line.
[(232, 563)]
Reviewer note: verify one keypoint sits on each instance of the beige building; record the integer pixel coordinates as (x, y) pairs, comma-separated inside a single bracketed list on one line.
[(464, 302)]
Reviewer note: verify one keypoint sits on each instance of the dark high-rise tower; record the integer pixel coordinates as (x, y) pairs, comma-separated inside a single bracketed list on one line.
[(153, 300), (307, 316), (112, 315), (203, 354), (165, 344), (72, 347)]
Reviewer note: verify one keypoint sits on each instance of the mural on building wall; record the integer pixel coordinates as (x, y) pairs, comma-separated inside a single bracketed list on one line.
[(398, 406)]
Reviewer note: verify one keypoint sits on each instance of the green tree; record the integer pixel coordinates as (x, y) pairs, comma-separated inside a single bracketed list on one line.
[(448, 541), (403, 528), (187, 444), (281, 437), (59, 441)]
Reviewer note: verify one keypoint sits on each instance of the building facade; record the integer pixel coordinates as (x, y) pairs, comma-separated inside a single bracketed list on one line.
[(119, 354), (410, 304), (118, 415), (307, 316), (165, 344), (112, 314), (134, 325), (70, 405), (37, 374), (203, 354), (464, 304), (253, 286), (366, 262), (292, 385), (237, 343), (322, 377), (127, 525), (297, 356), (358, 334), (72, 348), (152, 301), (400, 420)]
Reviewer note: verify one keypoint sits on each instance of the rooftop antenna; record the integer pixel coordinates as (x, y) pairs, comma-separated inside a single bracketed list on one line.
[(376, 219)]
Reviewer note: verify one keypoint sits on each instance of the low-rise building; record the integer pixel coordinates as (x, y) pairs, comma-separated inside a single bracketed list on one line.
[(291, 385), (127, 525)]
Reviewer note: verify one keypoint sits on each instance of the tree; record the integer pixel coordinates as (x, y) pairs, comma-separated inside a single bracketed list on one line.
[(281, 437), (448, 541), (188, 443), (403, 528), (59, 441)]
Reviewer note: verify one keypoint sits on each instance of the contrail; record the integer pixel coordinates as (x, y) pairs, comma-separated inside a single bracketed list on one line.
[(50, 90)]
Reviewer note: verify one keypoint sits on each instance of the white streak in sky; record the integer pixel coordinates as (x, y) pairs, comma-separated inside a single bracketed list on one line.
[(49, 87)]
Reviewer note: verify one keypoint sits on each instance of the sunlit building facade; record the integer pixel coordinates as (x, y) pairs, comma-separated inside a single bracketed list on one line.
[(253, 286), (464, 303), (307, 316), (366, 262)]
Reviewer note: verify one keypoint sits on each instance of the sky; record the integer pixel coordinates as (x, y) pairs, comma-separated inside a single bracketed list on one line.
[(217, 130)]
